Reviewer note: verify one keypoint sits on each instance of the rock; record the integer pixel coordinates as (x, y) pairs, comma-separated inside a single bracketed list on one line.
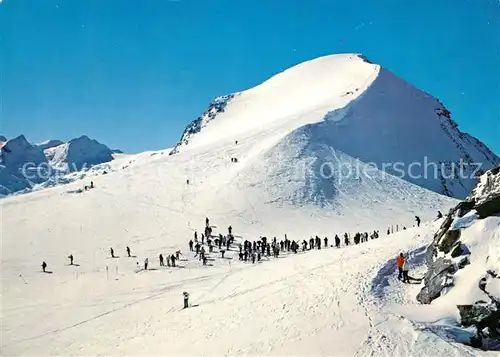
[(449, 240), (489, 208), (457, 251), (464, 207), (463, 262), (473, 314), (436, 280)]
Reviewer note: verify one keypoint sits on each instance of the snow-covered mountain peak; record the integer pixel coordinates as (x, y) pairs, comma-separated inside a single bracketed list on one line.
[(345, 104), (49, 144), (18, 151), (79, 154)]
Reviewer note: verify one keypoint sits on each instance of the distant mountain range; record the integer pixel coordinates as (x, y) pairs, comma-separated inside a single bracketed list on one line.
[(24, 165)]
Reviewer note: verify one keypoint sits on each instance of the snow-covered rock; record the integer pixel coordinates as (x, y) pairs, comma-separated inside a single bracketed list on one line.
[(464, 261), (79, 154), (49, 144), (342, 105), (2, 139)]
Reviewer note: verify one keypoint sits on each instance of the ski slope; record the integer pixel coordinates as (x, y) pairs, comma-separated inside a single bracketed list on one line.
[(332, 302)]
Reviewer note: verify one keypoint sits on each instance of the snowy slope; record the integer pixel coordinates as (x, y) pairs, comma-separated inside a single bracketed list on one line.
[(333, 302), (344, 104)]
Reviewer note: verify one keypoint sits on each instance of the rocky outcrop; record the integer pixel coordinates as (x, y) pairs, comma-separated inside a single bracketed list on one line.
[(447, 254), (217, 106)]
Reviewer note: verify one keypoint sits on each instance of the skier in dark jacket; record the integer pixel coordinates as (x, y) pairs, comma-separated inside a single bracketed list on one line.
[(337, 241), (191, 245), (112, 252), (128, 252), (417, 218), (161, 260), (207, 222), (70, 259), (230, 230), (44, 266), (346, 239), (172, 258)]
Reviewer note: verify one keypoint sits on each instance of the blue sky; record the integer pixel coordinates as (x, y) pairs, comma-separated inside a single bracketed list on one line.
[(133, 74)]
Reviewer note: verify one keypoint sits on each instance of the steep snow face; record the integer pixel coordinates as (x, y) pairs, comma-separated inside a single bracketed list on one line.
[(79, 154), (49, 144), (343, 104)]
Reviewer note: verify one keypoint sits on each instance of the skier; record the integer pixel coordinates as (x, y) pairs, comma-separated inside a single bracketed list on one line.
[(146, 261), (204, 259), (326, 242), (253, 258), (161, 260), (91, 184), (400, 262), (197, 248), (70, 259), (112, 252), (185, 294), (230, 229), (195, 236), (207, 221), (128, 251), (440, 215), (337, 241), (172, 258), (417, 218), (222, 252), (191, 245), (346, 239), (44, 266)]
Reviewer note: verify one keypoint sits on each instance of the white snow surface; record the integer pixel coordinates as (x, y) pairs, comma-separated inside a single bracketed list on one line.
[(343, 105), (333, 302)]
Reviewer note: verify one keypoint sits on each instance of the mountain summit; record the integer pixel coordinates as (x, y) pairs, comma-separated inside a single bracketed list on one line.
[(338, 109)]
